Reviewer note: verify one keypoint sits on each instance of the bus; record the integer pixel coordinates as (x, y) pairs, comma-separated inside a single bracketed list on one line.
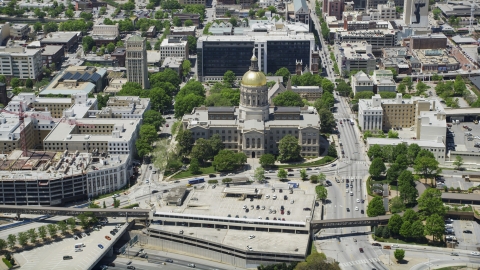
[(197, 180)]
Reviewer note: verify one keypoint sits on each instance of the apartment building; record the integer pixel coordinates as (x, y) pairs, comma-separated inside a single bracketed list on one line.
[(174, 46), (334, 8), (19, 30), (20, 62)]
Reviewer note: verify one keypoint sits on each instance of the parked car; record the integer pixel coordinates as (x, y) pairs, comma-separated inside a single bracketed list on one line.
[(361, 250)]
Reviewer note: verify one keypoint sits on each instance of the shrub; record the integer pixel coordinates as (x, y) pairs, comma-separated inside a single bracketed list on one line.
[(226, 180), (130, 206), (7, 263), (213, 181)]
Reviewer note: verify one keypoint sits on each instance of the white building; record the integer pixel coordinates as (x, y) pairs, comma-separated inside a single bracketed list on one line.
[(19, 30), (383, 80), (125, 107), (174, 46), (431, 125), (384, 12), (361, 82), (20, 62), (370, 113)]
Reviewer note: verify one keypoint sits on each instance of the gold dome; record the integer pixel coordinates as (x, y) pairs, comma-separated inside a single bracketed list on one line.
[(254, 78)]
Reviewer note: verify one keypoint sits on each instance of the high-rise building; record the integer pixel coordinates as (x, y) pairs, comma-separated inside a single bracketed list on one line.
[(136, 61), (217, 54), (415, 13), (20, 62)]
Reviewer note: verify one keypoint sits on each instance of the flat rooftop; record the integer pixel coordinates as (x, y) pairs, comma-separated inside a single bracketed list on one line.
[(390, 141), (61, 37), (263, 241), (221, 202), (50, 256)]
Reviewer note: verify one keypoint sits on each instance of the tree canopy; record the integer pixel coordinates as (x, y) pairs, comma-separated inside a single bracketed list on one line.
[(227, 160), (289, 150), (288, 99), (375, 207)]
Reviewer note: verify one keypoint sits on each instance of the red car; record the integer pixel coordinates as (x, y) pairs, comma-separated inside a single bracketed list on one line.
[(167, 125)]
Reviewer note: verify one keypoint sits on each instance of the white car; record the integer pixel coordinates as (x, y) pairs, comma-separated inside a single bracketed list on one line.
[(474, 253), (347, 190), (267, 196), (356, 208), (230, 174), (245, 206), (251, 236), (274, 197), (395, 246), (358, 200)]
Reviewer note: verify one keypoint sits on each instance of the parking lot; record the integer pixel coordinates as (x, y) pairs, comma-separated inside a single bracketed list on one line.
[(455, 182), (459, 139), (50, 256), (467, 241)]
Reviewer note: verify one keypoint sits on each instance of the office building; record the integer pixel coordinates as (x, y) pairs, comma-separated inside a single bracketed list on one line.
[(19, 30), (195, 18), (75, 79), (105, 34), (415, 13), (115, 85), (378, 39), (430, 41), (183, 31), (383, 80), (216, 54), (370, 113), (173, 63), (69, 40), (119, 55), (334, 8), (136, 61), (300, 12), (356, 56), (384, 12), (174, 46), (20, 62), (436, 61), (254, 127), (52, 54), (125, 107), (459, 8), (362, 82)]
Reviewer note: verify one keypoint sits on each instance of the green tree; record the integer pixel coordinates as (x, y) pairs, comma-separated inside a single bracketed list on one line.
[(267, 160), (399, 254), (284, 72), (322, 192), (32, 235), (185, 142), (395, 223), (202, 151), (322, 178), (72, 224), (458, 162), (430, 203), (332, 151), (377, 167), (379, 231), (22, 238), (52, 230), (116, 203), (14, 82), (159, 99), (435, 76), (406, 229), (102, 11), (148, 133), (192, 44), (459, 86), (194, 166), (375, 207), (42, 232), (328, 86), (289, 150), (288, 99), (87, 16), (386, 233), (168, 75), (418, 229), (375, 151), (143, 147), (233, 21), (3, 245), (303, 174), (229, 77), (110, 47), (187, 103), (259, 174), (392, 134), (410, 215), (396, 205), (153, 118), (435, 226), (176, 21), (314, 179), (186, 67), (426, 165), (227, 160), (50, 27), (69, 13), (62, 226), (412, 152), (344, 89), (251, 13), (188, 23), (104, 205), (11, 241), (37, 26), (421, 87), (3, 79), (327, 119), (282, 174), (88, 43), (394, 172), (29, 83)]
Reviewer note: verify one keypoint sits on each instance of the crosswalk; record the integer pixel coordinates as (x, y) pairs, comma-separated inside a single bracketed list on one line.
[(365, 261)]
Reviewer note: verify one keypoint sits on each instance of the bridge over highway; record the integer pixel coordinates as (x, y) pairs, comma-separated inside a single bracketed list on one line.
[(63, 211), (145, 214), (348, 222)]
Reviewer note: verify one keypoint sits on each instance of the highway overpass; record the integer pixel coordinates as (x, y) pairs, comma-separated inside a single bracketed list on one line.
[(63, 211)]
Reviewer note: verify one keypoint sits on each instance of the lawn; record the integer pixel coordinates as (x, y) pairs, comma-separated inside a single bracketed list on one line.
[(188, 174), (323, 161), (397, 241), (452, 267)]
